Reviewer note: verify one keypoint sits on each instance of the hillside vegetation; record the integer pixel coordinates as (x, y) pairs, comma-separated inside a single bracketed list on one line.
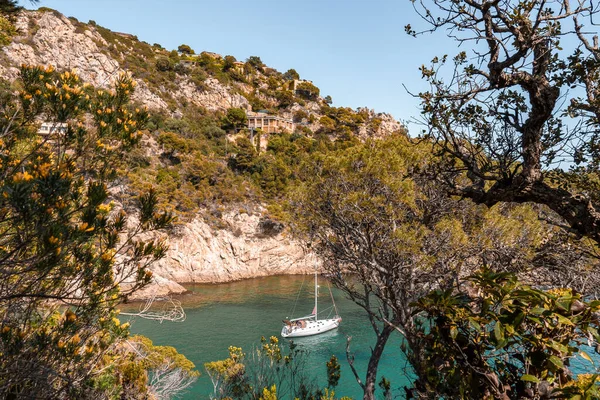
[(197, 155)]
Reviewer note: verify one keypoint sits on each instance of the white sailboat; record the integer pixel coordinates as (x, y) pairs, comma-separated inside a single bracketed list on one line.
[(310, 324)]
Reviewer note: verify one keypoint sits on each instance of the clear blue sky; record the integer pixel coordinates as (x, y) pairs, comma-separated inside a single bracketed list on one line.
[(356, 51)]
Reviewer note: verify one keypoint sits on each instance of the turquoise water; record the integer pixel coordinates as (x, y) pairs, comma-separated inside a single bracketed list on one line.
[(239, 313)]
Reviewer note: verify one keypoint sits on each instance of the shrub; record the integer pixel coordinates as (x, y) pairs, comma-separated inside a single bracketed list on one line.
[(185, 49), (163, 64)]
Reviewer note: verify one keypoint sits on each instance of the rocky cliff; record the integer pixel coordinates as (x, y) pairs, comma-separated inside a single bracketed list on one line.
[(199, 252)]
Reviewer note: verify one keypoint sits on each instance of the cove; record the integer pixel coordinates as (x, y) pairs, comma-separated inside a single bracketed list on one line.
[(239, 313)]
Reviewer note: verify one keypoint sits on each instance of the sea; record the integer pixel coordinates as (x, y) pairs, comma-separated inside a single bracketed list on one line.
[(240, 313)]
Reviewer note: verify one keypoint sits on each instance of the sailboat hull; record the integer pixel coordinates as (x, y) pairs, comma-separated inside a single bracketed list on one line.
[(311, 328)]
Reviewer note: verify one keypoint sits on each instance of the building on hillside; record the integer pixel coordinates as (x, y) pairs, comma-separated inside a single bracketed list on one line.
[(48, 128), (216, 56), (293, 85), (189, 62), (269, 123), (239, 66)]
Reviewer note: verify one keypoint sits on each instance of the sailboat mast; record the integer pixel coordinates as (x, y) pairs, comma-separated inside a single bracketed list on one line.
[(316, 296)]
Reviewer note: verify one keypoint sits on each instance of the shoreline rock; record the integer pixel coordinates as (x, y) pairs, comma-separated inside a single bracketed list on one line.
[(202, 254)]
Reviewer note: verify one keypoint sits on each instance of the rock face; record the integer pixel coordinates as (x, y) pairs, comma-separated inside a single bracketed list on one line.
[(215, 97), (249, 248), (52, 39)]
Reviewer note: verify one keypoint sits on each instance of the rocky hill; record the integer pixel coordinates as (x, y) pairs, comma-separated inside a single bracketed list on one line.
[(205, 80), (217, 176)]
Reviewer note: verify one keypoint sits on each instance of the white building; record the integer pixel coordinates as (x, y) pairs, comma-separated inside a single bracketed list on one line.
[(269, 123), (48, 128)]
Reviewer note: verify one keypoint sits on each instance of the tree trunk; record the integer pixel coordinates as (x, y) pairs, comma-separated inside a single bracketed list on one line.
[(376, 352)]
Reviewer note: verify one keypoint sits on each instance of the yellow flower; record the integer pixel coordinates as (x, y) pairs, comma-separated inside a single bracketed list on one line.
[(104, 208), (22, 176), (108, 255), (76, 339)]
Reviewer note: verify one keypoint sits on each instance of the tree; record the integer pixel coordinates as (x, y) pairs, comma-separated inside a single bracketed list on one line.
[(185, 49), (229, 63), (299, 115), (507, 340), (367, 212), (169, 373), (285, 98), (235, 118), (523, 99), (255, 62), (291, 75), (363, 216), (66, 255), (164, 64), (328, 100), (307, 91), (327, 124), (12, 6)]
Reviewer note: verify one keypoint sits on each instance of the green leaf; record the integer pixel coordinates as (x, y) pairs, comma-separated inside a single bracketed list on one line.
[(563, 320), (474, 324), (498, 332), (534, 319), (530, 378), (556, 361), (453, 332), (538, 310), (595, 303)]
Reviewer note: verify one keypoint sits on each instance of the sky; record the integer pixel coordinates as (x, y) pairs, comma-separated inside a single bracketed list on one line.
[(356, 51)]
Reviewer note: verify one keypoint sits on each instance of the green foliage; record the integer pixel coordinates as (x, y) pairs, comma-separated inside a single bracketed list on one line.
[(234, 119), (307, 91), (12, 6), (327, 124), (285, 98), (185, 49), (139, 368), (164, 64), (245, 156), (291, 75), (507, 339), (229, 63), (255, 62), (61, 235), (172, 142), (268, 372), (333, 372), (7, 31)]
